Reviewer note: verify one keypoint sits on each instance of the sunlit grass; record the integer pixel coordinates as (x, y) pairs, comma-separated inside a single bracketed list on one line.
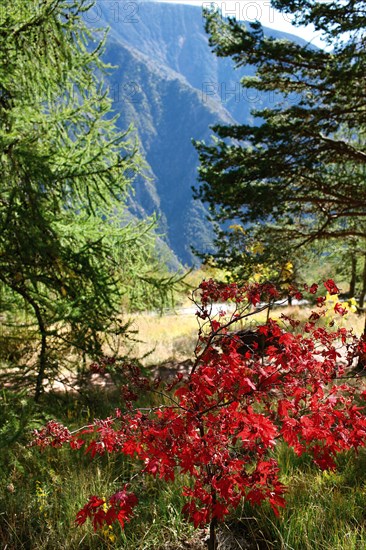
[(40, 493), (325, 510), (173, 337), (165, 338)]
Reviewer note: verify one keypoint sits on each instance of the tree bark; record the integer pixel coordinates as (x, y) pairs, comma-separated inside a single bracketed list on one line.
[(363, 290), (352, 283), (42, 357), (43, 332), (212, 541)]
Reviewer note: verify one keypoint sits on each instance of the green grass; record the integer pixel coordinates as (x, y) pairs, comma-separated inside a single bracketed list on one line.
[(40, 493), (325, 510)]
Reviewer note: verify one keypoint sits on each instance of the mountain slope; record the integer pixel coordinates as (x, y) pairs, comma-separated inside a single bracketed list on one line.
[(166, 112), (172, 88)]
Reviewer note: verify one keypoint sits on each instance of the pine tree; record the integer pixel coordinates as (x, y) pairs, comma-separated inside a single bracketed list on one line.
[(298, 175)]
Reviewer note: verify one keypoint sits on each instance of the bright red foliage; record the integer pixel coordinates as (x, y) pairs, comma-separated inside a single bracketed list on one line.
[(331, 287), (119, 508), (226, 417)]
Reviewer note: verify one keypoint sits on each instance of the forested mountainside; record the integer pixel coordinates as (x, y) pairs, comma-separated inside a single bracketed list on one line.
[(170, 86)]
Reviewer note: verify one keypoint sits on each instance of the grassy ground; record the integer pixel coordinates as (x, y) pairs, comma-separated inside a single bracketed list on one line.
[(173, 337), (40, 492), (165, 338), (325, 510)]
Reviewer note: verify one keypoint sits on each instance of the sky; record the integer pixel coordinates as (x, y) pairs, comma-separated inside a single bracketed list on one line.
[(261, 10)]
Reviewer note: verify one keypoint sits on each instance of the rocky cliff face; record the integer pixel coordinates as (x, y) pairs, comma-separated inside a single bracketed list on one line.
[(169, 85)]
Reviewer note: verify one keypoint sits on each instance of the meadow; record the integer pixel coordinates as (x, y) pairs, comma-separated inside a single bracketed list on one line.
[(41, 491)]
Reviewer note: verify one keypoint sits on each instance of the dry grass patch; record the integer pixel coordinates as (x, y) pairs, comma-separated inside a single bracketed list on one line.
[(165, 338), (172, 337)]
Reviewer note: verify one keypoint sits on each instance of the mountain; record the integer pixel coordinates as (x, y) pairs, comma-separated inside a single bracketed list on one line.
[(170, 86)]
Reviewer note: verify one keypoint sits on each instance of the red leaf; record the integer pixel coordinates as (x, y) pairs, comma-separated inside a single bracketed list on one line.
[(339, 309), (331, 287)]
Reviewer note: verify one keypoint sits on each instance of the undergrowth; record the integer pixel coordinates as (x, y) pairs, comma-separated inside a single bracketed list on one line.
[(40, 493)]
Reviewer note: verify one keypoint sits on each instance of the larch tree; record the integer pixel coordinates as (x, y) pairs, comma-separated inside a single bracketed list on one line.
[(70, 253)]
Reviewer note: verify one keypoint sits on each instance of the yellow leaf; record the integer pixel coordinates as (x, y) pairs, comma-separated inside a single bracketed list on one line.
[(332, 298), (258, 248), (237, 227)]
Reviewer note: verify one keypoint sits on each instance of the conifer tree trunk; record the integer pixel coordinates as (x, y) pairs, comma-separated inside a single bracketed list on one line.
[(363, 290), (352, 284), (43, 332), (42, 358)]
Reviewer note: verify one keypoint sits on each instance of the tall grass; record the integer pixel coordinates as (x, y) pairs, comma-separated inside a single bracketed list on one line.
[(173, 337), (325, 510), (40, 492), (165, 338)]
